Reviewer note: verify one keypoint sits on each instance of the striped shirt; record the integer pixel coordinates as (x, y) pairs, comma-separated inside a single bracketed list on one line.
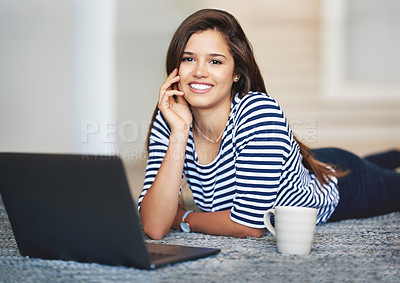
[(258, 166)]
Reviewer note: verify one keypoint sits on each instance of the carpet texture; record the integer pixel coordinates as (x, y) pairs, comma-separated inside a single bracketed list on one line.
[(363, 250)]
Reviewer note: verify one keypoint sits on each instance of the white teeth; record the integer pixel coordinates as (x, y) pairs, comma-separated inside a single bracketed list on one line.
[(200, 86)]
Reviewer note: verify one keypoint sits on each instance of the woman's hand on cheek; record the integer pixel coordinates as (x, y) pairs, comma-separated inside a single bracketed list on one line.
[(175, 109)]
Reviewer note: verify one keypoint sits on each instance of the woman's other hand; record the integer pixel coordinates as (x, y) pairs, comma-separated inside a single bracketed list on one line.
[(178, 218)]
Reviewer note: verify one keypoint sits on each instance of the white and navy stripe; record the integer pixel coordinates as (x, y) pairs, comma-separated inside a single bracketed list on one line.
[(259, 165)]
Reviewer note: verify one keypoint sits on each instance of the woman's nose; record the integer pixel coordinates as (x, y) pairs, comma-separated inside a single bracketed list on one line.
[(200, 70)]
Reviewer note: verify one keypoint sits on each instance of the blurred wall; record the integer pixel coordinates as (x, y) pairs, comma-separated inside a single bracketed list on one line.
[(36, 106), (83, 76), (373, 41), (57, 73)]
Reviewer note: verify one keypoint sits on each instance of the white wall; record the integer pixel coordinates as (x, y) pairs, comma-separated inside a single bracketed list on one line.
[(36, 106), (56, 74), (373, 39), (360, 43), (93, 76)]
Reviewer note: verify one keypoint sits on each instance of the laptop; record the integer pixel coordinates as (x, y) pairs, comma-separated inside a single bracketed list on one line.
[(79, 207)]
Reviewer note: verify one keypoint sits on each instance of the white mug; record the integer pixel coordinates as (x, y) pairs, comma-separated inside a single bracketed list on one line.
[(294, 228)]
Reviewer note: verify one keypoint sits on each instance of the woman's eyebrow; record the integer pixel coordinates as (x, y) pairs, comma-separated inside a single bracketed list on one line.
[(217, 55), (211, 54)]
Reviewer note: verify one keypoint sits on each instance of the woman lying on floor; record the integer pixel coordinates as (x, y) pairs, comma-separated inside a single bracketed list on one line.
[(216, 124)]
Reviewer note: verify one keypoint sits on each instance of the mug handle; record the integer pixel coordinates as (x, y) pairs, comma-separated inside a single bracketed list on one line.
[(267, 220)]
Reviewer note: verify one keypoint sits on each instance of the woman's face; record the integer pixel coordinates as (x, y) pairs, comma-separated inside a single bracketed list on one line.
[(206, 71)]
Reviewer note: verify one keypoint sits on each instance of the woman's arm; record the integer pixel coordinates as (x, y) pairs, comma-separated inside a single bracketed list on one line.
[(216, 223), (159, 205)]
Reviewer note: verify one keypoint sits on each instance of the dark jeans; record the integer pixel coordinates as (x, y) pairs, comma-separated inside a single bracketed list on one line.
[(371, 188)]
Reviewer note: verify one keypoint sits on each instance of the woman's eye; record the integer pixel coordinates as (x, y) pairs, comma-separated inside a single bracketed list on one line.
[(187, 59), (215, 62)]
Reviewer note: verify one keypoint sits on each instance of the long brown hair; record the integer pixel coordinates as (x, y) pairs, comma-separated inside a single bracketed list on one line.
[(245, 66)]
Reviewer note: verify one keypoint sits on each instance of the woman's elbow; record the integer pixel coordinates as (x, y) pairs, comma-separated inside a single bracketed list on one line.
[(252, 232), (154, 233), (257, 233), (153, 228)]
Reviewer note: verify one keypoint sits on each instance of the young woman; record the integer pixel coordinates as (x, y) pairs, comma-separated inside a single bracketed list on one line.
[(216, 124)]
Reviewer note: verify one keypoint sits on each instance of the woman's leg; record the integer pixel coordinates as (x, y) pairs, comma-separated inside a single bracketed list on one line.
[(368, 190), (389, 159)]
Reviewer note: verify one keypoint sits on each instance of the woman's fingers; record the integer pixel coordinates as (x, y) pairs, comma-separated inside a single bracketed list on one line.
[(172, 103), (166, 90), (173, 74), (168, 95), (167, 98), (169, 82), (171, 79)]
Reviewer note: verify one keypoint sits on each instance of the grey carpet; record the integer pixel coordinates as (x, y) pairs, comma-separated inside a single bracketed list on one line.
[(363, 250)]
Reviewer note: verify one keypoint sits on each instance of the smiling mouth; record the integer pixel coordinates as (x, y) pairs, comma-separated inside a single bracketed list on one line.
[(200, 86)]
